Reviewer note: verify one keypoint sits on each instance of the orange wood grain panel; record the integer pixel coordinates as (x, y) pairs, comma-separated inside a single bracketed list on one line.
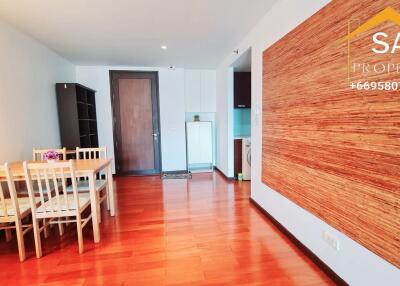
[(333, 150)]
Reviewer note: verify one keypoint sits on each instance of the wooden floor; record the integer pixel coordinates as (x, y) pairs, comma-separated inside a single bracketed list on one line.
[(173, 232)]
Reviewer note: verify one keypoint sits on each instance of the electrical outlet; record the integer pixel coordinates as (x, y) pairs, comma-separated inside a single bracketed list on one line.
[(331, 240)]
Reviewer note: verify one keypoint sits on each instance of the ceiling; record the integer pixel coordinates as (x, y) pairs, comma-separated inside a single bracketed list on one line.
[(198, 33)]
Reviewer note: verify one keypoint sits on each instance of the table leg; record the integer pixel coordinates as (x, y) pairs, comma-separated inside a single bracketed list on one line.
[(111, 190), (94, 206), (8, 235)]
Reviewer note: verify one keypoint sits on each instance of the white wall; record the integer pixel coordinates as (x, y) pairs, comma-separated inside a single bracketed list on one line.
[(172, 110), (28, 110), (354, 263), (224, 125)]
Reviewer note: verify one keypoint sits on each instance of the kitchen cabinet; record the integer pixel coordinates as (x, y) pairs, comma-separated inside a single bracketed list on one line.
[(237, 157), (242, 90), (200, 91)]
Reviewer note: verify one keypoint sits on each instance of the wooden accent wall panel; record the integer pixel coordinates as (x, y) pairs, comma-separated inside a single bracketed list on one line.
[(332, 150)]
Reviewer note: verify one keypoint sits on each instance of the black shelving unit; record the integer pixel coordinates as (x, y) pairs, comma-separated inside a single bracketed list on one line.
[(77, 115)]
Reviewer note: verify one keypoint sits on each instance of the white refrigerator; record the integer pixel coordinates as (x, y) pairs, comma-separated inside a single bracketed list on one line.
[(246, 159)]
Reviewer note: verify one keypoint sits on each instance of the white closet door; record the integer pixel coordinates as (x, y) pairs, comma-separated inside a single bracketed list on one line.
[(193, 142), (208, 91), (205, 131), (199, 142), (192, 90)]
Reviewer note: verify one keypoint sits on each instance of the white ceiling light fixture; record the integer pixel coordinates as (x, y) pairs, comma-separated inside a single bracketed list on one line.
[(164, 47)]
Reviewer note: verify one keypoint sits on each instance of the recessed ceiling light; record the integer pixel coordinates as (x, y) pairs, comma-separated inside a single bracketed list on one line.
[(164, 47)]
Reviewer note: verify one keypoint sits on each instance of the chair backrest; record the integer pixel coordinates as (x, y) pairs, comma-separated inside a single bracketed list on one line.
[(51, 181), (38, 154), (4, 207), (91, 153)]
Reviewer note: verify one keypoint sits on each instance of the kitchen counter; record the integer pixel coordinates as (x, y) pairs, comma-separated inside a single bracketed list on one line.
[(242, 137)]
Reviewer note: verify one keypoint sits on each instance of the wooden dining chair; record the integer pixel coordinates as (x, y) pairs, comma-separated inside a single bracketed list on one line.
[(91, 153), (13, 211), (101, 182), (57, 206), (38, 154)]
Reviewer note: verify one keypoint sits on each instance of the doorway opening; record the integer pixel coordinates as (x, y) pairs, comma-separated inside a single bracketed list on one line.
[(242, 116), (136, 122)]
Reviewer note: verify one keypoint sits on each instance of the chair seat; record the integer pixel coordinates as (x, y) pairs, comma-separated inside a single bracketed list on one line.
[(24, 191), (83, 186), (23, 204), (52, 203)]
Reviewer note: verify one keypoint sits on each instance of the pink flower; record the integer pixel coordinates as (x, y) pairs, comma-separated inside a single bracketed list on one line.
[(51, 155)]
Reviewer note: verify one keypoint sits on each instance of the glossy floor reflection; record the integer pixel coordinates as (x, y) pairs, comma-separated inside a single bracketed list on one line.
[(174, 232)]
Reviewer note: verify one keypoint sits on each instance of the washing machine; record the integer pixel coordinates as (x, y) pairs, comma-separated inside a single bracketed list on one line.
[(246, 158)]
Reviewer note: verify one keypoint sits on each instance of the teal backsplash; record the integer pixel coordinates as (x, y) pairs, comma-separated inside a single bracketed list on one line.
[(242, 122)]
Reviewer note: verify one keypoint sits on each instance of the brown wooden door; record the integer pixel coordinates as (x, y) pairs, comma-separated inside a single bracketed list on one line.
[(136, 122)]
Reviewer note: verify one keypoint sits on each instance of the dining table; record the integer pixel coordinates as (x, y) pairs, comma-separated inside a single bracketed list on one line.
[(83, 168)]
